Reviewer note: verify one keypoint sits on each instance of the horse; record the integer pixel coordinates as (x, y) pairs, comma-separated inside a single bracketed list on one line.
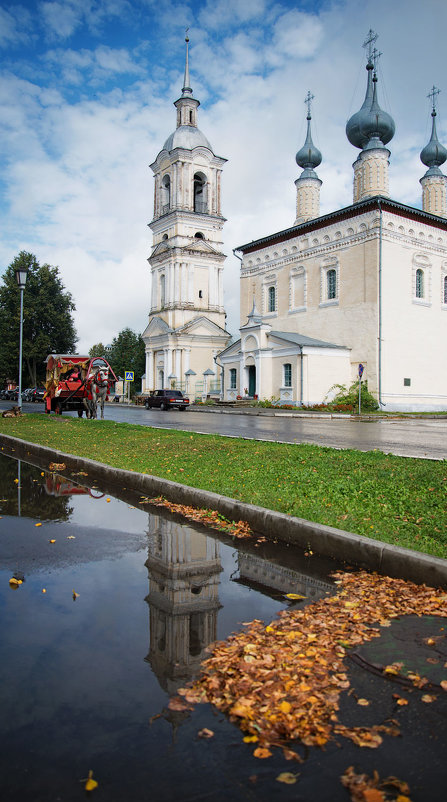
[(97, 391)]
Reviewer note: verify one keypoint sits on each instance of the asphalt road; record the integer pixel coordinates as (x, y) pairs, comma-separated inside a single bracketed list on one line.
[(423, 438)]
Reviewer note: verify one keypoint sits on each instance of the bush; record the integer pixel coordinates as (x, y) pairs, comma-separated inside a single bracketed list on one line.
[(350, 396)]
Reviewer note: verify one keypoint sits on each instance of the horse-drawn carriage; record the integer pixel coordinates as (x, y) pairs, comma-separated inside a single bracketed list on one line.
[(75, 382)]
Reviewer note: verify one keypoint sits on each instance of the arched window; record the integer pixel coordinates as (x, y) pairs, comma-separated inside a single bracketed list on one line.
[(419, 283), (445, 289), (162, 290), (233, 378), (165, 194), (199, 192), (287, 374), (331, 279), (198, 235), (272, 299)]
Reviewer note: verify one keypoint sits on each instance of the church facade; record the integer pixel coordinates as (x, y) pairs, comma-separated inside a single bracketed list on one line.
[(186, 328), (366, 284)]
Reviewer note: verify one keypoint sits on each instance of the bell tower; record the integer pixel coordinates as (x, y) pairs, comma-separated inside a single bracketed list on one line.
[(187, 318)]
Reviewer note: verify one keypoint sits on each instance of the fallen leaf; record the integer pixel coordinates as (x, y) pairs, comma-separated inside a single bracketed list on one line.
[(52, 541), (428, 698), (285, 707), (294, 596), (57, 466), (90, 783), (38, 524), (363, 702), (205, 733), (15, 582), (443, 684), (287, 777), (75, 595), (262, 752)]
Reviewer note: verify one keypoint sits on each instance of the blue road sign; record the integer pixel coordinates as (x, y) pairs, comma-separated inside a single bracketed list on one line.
[(361, 369), (129, 375)]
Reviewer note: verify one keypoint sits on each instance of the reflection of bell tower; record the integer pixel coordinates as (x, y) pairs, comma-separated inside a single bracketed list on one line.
[(184, 568)]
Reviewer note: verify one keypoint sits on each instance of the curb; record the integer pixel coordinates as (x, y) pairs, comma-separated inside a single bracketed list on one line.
[(326, 541)]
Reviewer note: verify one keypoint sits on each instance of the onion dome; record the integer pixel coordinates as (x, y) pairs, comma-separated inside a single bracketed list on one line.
[(434, 154), (376, 124), (309, 156), (188, 137), (353, 124)]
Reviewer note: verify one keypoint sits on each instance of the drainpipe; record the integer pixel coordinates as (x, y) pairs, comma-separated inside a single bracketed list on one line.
[(381, 403), (301, 375)]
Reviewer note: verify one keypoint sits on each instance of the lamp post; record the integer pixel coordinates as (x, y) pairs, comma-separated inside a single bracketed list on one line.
[(21, 273)]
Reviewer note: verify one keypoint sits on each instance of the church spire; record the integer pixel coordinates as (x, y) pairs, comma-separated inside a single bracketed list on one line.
[(434, 181), (308, 184), (186, 88)]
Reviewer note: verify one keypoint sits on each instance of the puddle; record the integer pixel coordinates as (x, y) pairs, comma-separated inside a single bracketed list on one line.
[(115, 613)]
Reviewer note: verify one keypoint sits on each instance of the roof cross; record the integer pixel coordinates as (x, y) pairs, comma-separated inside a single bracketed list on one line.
[(308, 99), (432, 94), (369, 41)]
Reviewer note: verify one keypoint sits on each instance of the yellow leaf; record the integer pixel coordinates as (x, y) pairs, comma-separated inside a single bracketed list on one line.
[(262, 752), (75, 595), (250, 739), (15, 582), (51, 541), (443, 685), (37, 524), (90, 784), (108, 499), (285, 707), (363, 702), (205, 733), (294, 596), (402, 701), (427, 698), (286, 777), (44, 590)]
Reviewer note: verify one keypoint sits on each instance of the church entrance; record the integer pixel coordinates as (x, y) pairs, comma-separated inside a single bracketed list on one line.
[(251, 380)]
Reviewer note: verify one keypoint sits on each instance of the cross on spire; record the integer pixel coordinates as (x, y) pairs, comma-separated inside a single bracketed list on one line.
[(432, 94), (369, 41), (308, 99), (375, 57)]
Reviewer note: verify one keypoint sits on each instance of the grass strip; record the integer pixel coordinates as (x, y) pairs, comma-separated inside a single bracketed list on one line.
[(397, 500)]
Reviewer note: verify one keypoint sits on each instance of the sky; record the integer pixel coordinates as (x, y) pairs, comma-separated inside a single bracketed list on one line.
[(87, 90)]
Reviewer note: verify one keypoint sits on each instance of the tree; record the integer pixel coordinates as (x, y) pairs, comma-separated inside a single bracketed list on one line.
[(97, 350), (48, 325), (128, 353)]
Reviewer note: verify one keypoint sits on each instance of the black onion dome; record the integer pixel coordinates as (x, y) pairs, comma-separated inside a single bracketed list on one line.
[(353, 124), (376, 123), (434, 154), (308, 157)]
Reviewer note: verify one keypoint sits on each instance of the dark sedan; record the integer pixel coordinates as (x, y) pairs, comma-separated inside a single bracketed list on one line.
[(166, 399)]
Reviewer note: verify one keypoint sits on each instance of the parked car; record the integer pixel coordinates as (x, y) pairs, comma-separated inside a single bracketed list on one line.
[(3, 394), (37, 394), (12, 394), (166, 399), (26, 394)]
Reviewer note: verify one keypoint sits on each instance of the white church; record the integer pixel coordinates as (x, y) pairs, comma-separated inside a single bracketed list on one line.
[(366, 284)]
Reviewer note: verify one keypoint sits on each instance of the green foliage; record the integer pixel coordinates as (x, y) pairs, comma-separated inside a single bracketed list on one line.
[(393, 499), (127, 353), (48, 324), (350, 397), (97, 350)]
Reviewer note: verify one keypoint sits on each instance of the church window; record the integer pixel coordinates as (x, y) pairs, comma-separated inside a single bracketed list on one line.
[(162, 290), (233, 378), (199, 193), (419, 283), (272, 299), (445, 289), (287, 374), (331, 282), (165, 194), (199, 235), (200, 294), (190, 116), (165, 236)]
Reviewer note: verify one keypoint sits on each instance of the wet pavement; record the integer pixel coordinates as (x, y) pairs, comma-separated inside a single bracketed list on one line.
[(423, 438), (115, 613)]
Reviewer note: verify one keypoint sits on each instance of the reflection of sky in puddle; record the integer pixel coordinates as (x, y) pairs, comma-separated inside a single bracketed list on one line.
[(80, 679)]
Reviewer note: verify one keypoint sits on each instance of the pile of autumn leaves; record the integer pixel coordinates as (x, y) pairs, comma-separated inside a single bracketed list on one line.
[(211, 518), (282, 682)]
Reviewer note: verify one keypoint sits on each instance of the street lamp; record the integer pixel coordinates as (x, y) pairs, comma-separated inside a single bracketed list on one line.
[(21, 273)]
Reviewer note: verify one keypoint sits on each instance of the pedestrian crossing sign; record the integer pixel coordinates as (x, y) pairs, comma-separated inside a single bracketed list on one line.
[(129, 375)]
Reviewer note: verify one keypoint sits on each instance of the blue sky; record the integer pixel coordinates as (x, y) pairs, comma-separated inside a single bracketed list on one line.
[(86, 93)]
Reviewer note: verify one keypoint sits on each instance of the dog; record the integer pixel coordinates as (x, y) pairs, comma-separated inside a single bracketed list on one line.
[(14, 412)]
